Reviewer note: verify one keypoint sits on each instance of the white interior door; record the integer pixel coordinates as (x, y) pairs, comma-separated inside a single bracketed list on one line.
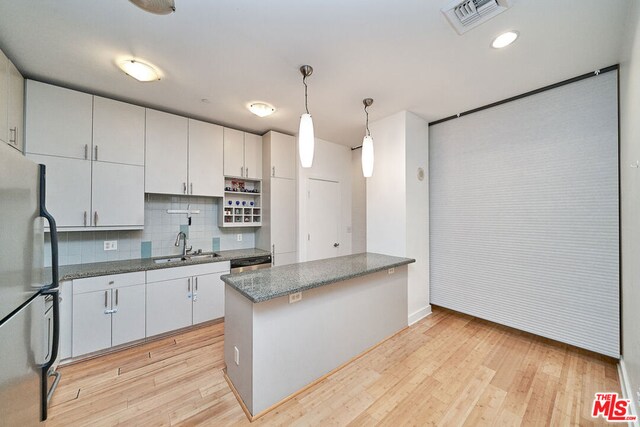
[(323, 220)]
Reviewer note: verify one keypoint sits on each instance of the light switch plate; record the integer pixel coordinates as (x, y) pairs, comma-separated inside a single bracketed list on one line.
[(110, 245), (239, 237)]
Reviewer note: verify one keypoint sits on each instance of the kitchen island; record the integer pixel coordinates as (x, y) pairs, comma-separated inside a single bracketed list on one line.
[(288, 327)]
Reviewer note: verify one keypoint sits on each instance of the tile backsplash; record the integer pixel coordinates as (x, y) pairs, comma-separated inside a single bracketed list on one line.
[(158, 236)]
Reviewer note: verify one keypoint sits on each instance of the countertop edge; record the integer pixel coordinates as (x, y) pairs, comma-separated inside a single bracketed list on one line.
[(226, 279)]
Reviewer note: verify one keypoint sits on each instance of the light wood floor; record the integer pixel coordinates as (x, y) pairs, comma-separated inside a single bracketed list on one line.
[(448, 369)]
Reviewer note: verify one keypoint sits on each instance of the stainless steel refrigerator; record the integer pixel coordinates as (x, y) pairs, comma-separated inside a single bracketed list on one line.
[(25, 355)]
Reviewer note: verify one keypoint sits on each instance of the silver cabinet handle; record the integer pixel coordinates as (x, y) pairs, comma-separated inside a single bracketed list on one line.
[(112, 311), (191, 185), (14, 130), (241, 170), (85, 218), (95, 218), (96, 154), (246, 171), (105, 298), (196, 284), (184, 188), (189, 284), (273, 254), (273, 171), (116, 297), (86, 151)]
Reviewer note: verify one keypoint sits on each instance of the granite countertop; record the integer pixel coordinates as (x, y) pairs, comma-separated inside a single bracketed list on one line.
[(265, 284), (79, 271)]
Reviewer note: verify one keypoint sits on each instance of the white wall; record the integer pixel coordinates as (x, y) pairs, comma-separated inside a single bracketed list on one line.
[(630, 201), (398, 203), (331, 162), (358, 204)]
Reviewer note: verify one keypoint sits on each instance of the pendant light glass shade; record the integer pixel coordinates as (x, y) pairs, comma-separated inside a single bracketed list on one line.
[(306, 142), (367, 156)]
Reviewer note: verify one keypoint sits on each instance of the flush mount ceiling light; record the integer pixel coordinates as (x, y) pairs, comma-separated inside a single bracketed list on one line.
[(306, 140), (139, 70), (158, 7), (367, 144), (262, 109), (504, 39)]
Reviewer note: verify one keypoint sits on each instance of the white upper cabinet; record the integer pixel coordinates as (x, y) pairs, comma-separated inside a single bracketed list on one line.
[(233, 152), (252, 156), (281, 155), (166, 153), (118, 132), (58, 121), (205, 159), (118, 195), (242, 154), (16, 108), (4, 97), (68, 193)]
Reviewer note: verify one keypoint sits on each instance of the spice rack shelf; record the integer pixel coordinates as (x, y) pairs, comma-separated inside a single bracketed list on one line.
[(241, 205)]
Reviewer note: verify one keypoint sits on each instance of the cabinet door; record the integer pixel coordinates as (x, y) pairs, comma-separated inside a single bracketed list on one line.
[(16, 108), (168, 306), (4, 98), (91, 325), (285, 259), (66, 319), (206, 177), (253, 156), (166, 153), (117, 198), (58, 121), (283, 215), (233, 152), (118, 132), (208, 297), (68, 189), (128, 322), (283, 156)]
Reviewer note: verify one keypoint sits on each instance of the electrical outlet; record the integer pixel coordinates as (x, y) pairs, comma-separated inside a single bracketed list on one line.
[(295, 297), (236, 355), (239, 237), (110, 245), (392, 270)]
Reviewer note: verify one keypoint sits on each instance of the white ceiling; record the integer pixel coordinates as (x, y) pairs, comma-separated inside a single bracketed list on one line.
[(402, 53)]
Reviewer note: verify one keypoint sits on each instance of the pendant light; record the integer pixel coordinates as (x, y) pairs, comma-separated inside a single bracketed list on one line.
[(305, 133), (367, 144)]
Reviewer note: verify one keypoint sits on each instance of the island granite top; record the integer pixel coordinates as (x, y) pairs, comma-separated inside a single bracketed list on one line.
[(265, 284), (79, 271)]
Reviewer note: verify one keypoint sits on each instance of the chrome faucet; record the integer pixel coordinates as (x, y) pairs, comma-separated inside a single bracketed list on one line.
[(185, 250)]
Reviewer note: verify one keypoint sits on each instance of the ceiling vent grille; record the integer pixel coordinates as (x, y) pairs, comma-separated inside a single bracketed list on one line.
[(468, 14)]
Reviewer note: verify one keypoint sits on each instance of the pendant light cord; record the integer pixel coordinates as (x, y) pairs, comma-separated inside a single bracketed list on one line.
[(304, 82), (367, 126)]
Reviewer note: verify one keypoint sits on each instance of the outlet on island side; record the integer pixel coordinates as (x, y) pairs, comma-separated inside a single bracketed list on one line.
[(295, 297), (236, 355), (392, 270), (239, 237)]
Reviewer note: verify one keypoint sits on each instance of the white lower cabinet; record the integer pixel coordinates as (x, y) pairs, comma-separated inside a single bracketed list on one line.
[(107, 311), (184, 296), (208, 297), (168, 305)]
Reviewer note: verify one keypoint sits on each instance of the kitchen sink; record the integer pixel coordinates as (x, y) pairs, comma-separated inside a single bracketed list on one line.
[(184, 259)]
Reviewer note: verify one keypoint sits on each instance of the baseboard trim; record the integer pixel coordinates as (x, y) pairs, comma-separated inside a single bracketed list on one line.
[(419, 314), (627, 389)]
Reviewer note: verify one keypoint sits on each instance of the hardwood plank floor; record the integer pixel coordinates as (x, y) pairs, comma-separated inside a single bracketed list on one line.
[(448, 369)]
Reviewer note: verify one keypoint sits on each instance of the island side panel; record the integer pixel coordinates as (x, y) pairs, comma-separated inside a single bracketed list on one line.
[(295, 344), (238, 332)]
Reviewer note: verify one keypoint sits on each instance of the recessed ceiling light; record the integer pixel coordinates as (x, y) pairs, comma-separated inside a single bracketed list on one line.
[(504, 39), (262, 109), (139, 70)]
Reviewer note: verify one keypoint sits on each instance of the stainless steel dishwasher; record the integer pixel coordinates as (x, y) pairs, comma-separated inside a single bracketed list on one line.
[(249, 264)]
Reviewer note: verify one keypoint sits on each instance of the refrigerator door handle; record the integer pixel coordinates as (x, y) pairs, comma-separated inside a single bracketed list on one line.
[(52, 229), (45, 393)]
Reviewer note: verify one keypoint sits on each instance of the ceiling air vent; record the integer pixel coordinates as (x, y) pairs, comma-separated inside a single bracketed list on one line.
[(468, 14)]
